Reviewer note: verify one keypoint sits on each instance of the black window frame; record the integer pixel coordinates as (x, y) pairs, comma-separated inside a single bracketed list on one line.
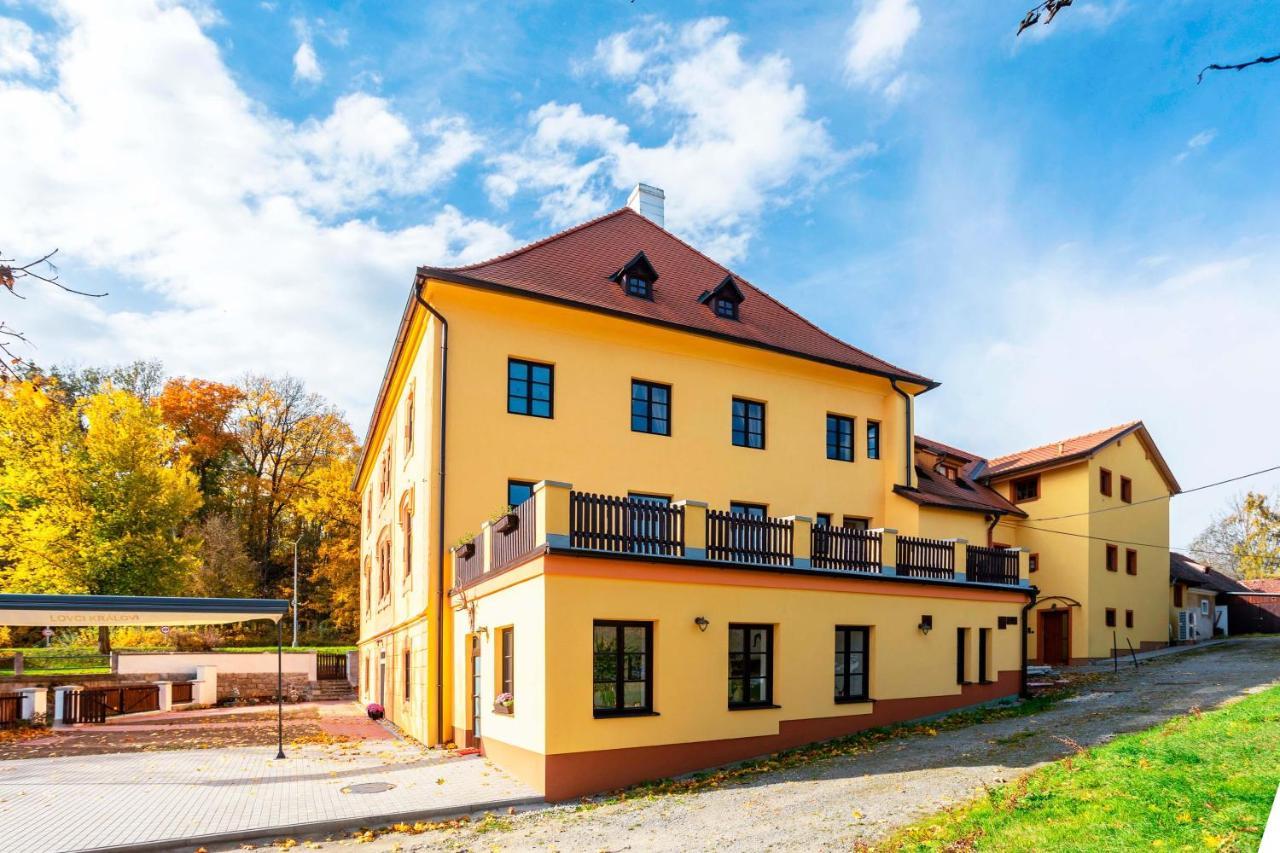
[(724, 307), (648, 405), (528, 397), (747, 417), (962, 655), (822, 519), (984, 648), (634, 284), (873, 439), (745, 678), (1033, 479), (844, 656), (522, 484), (855, 522), (1128, 618), (1109, 617), (618, 709), (408, 666), (841, 430), (749, 509)]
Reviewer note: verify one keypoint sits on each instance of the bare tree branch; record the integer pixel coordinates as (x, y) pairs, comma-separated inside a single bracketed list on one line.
[(1049, 9), (1261, 60), (11, 275), (12, 365)]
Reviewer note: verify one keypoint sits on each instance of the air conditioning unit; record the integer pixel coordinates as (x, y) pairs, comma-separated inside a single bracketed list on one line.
[(1184, 632)]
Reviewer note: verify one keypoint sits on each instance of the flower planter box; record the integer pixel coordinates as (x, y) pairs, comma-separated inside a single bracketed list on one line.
[(466, 551), (507, 523)]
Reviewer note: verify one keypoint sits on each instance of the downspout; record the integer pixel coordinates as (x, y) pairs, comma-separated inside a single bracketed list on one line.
[(1023, 691), (440, 504), (909, 453), (991, 530)]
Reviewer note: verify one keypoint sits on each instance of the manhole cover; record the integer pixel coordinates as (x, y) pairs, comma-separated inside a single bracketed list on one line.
[(368, 788)]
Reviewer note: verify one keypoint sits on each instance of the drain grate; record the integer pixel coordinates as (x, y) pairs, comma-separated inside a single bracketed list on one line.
[(368, 788)]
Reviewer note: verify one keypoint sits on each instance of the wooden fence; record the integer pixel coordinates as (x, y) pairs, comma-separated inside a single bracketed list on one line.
[(331, 667), (469, 568), (845, 549), (512, 536), (926, 558), (992, 565), (182, 692), (10, 710), (625, 525), (93, 705), (738, 538)]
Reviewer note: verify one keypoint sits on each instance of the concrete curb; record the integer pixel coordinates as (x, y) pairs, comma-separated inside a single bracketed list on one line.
[(322, 826)]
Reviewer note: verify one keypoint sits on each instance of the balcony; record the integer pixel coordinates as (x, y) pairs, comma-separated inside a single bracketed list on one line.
[(558, 518)]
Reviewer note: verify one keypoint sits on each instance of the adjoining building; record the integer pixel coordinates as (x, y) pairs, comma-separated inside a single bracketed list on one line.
[(626, 515)]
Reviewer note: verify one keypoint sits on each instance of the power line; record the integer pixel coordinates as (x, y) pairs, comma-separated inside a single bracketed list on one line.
[(1158, 498), (1183, 549)]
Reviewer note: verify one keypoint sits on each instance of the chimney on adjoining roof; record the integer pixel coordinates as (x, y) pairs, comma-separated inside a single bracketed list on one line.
[(648, 202)]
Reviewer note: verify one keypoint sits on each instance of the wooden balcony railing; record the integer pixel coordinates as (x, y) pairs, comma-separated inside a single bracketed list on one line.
[(845, 549), (557, 518), (739, 538), (625, 525), (992, 565), (926, 558)]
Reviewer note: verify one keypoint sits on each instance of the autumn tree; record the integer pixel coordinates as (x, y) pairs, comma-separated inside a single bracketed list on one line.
[(200, 412), (284, 436), (142, 378), (1243, 541), (333, 507), (224, 570)]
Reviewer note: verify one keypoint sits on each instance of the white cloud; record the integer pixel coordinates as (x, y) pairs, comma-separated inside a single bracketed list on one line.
[(1195, 143), (618, 57), (877, 40), (223, 231), (740, 139), (306, 66), (17, 48)]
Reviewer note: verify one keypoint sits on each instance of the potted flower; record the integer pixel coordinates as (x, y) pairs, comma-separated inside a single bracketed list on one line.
[(375, 711), (507, 523), (505, 703), (466, 547)]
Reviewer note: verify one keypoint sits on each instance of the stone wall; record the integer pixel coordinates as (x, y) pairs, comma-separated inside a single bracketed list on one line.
[(261, 685), (254, 685)]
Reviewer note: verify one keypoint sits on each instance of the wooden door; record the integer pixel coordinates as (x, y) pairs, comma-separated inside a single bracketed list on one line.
[(1055, 637)]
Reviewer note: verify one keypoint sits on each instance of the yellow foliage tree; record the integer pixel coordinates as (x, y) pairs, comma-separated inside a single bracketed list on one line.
[(334, 507)]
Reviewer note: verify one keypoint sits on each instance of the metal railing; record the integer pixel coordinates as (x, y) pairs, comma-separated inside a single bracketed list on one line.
[(926, 558), (512, 536), (992, 565), (845, 549), (738, 538), (331, 667), (625, 525)]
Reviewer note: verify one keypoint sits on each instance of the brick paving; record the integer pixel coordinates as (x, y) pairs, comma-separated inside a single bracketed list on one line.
[(86, 802)]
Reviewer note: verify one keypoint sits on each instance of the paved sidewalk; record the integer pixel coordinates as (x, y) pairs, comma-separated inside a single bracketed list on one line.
[(100, 801)]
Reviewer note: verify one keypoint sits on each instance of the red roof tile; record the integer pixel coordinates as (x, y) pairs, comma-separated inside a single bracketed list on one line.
[(1263, 584), (965, 492), (1065, 450), (575, 266)]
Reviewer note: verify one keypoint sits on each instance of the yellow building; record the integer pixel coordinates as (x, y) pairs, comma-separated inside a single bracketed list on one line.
[(718, 544)]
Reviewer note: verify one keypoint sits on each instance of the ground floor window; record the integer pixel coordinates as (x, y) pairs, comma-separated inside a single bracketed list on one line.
[(750, 666), (507, 645), (1111, 617), (622, 668), (962, 656), (851, 663), (408, 680), (1128, 618), (984, 650)]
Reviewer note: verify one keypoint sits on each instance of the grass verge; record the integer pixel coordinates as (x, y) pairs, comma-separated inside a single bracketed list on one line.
[(1201, 781)]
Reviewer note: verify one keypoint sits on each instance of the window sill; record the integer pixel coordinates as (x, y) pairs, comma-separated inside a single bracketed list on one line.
[(503, 713), (856, 700), (754, 707), (609, 715)]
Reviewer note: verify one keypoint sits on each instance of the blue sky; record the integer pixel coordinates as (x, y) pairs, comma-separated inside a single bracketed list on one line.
[(1062, 228)]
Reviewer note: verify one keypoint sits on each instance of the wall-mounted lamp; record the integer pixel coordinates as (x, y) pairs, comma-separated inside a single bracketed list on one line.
[(926, 624), (702, 622), (483, 629)]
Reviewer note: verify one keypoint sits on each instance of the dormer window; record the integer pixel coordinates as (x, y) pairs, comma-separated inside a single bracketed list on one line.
[(637, 277), (724, 299)]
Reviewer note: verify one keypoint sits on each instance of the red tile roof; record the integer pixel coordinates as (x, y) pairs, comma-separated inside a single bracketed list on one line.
[(575, 266), (965, 492), (1263, 584), (1068, 449)]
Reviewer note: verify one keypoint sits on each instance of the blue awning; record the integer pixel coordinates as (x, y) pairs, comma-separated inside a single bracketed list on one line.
[(92, 610)]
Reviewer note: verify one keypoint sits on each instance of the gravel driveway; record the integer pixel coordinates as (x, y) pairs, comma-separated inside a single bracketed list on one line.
[(835, 803)]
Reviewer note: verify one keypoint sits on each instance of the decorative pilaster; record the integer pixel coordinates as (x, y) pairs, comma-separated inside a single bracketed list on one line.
[(695, 529)]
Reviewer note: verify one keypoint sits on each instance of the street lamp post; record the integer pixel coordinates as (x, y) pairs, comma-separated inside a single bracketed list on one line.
[(295, 590)]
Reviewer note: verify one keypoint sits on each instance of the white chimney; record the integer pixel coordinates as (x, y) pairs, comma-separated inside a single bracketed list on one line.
[(648, 202)]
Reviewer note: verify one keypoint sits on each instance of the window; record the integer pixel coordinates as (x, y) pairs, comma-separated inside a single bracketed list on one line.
[(873, 439), (949, 471), (622, 675), (1026, 488), (1113, 558), (840, 438), (408, 425), (984, 649), (407, 680), (1104, 482), (507, 648), (384, 566), (650, 407), (854, 522), (1204, 607), (1126, 490), (368, 584), (384, 478), (823, 519), (1111, 617), (1177, 595), (1128, 618), (1033, 563), (851, 664), (748, 423), (962, 656), (518, 491), (1130, 561), (368, 511), (751, 510), (529, 388), (406, 527), (639, 286), (750, 666), (726, 308)]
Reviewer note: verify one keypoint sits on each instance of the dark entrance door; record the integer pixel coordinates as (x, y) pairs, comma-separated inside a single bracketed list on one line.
[(476, 670), (1055, 637), (382, 678)]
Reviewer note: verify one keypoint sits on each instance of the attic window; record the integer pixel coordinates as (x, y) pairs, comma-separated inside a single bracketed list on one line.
[(724, 299), (637, 277)]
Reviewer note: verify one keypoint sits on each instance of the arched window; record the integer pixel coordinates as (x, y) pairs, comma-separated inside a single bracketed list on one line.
[(406, 529)]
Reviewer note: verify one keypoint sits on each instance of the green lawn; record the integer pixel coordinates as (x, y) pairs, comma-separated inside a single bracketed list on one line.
[(1203, 781)]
